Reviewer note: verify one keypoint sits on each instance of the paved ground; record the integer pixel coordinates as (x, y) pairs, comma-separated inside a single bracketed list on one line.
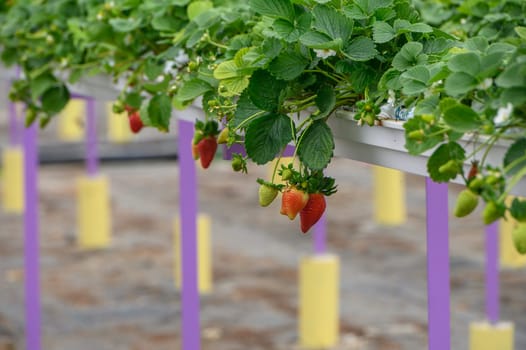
[(124, 298)]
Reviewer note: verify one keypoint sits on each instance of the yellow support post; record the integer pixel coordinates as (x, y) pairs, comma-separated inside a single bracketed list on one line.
[(13, 180), (204, 254), (93, 211), (389, 196), (483, 336), (509, 257), (72, 120), (118, 126), (319, 283)]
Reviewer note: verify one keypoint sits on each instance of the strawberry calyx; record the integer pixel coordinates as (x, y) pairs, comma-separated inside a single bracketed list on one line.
[(309, 181), (209, 128)]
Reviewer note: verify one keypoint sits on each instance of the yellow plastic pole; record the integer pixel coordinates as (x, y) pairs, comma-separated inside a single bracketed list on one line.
[(509, 257), (389, 196), (13, 181), (118, 126), (93, 211), (204, 254), (319, 282), (71, 121), (484, 336)]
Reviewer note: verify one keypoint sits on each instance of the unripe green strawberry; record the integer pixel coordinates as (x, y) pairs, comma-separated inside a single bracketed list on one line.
[(450, 168), (286, 174), (369, 118), (467, 201), (519, 238), (223, 136), (31, 116), (491, 213), (118, 107), (267, 194), (416, 135), (428, 118), (237, 164), (476, 184)]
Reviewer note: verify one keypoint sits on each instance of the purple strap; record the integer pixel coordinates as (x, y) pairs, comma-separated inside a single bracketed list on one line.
[(492, 273), (438, 266), (228, 152), (92, 152), (188, 213), (31, 250), (320, 236)]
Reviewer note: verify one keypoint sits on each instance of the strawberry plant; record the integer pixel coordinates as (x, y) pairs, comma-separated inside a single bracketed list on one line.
[(270, 74)]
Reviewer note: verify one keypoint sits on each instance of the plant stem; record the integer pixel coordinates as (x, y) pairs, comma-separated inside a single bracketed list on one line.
[(253, 116), (514, 180)]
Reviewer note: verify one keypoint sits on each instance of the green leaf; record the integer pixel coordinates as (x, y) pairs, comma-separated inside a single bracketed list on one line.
[(274, 8), (447, 152), (286, 30), (462, 118), (41, 84), (55, 99), (153, 69), (414, 80), (133, 99), (265, 90), (468, 62), (226, 69), (288, 65), (266, 136), (125, 25), (516, 153), (477, 43), (382, 32), (420, 28), (316, 147), (235, 86), (436, 46), (160, 111), (325, 101), (518, 209), (317, 40), (513, 76), (361, 49), (390, 80), (521, 31), (195, 8), (244, 110), (428, 105), (331, 22), (408, 56), (165, 24), (193, 89), (458, 83), (516, 96)]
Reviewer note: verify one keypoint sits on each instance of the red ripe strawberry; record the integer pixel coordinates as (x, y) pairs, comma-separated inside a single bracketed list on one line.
[(135, 122), (207, 149), (312, 211), (293, 201)]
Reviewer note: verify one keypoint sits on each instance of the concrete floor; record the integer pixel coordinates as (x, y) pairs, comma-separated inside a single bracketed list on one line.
[(124, 297)]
